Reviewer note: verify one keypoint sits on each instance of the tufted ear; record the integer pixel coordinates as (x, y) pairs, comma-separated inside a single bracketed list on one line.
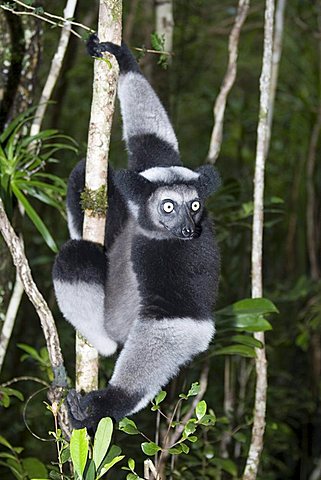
[(132, 185), (209, 180)]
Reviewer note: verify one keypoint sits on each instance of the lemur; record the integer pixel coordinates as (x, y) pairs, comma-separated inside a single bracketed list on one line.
[(151, 289)]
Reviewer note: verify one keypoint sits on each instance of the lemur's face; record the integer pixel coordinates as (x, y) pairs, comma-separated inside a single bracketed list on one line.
[(175, 211)]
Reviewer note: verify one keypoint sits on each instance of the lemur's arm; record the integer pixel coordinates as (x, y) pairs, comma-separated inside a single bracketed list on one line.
[(149, 135)]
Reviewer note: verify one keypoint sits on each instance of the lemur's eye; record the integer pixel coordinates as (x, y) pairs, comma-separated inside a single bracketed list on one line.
[(195, 206), (168, 206)]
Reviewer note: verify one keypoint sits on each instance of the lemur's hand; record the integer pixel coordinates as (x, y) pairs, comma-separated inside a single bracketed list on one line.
[(95, 47)]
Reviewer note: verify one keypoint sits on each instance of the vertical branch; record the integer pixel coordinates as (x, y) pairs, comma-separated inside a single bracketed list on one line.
[(55, 68), (228, 81), (102, 109), (165, 23), (10, 318), (256, 446), (20, 261)]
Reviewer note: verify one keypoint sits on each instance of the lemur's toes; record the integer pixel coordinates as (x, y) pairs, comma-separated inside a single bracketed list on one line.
[(74, 406)]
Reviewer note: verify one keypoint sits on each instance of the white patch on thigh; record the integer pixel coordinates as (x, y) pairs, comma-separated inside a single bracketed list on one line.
[(82, 304)]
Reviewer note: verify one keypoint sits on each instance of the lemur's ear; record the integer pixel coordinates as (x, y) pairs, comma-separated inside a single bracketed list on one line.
[(132, 185), (209, 180)]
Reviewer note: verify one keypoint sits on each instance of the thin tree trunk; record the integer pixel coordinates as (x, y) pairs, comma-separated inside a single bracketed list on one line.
[(228, 81), (256, 445), (55, 68), (104, 91), (20, 261), (10, 318), (165, 23)]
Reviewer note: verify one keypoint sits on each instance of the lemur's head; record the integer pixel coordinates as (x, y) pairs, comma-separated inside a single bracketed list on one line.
[(168, 202)]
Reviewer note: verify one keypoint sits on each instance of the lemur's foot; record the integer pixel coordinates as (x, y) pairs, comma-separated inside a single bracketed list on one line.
[(79, 411)]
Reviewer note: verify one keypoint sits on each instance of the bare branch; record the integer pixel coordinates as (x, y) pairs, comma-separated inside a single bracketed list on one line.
[(55, 67), (102, 109), (10, 318), (228, 81), (256, 446), (20, 261)]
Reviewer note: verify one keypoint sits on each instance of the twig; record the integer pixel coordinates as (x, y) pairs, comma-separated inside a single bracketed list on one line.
[(170, 440), (25, 378), (150, 467), (20, 261), (158, 52), (36, 15), (228, 81), (256, 445), (10, 317), (102, 109), (55, 67)]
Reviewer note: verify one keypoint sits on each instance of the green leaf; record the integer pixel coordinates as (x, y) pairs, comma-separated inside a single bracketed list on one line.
[(185, 448), (91, 471), (12, 392), (131, 464), (194, 390), (5, 443), (65, 455), (249, 306), (177, 450), (160, 397), (241, 350), (192, 438), (190, 427), (208, 420), (34, 468), (246, 340), (132, 476), (79, 450), (200, 409), (109, 465), (150, 448), (102, 440), (226, 465), (128, 426), (36, 220)]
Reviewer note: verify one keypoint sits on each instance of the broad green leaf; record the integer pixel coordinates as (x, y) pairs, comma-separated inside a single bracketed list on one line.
[(242, 350), (200, 409), (132, 476), (108, 466), (36, 220), (150, 448), (208, 420), (90, 473), (160, 397), (65, 455), (102, 440), (79, 450), (246, 340), (131, 464), (247, 323), (249, 306), (128, 426), (226, 465), (34, 468)]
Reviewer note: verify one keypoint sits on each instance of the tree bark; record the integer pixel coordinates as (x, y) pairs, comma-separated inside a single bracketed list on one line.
[(256, 445), (104, 91), (228, 81)]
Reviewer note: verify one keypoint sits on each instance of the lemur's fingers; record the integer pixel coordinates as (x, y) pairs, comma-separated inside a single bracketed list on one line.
[(125, 59)]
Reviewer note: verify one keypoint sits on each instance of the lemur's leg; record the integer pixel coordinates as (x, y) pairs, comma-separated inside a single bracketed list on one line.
[(79, 276), (152, 355), (148, 133)]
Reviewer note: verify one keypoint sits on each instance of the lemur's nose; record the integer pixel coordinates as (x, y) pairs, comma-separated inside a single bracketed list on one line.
[(187, 231)]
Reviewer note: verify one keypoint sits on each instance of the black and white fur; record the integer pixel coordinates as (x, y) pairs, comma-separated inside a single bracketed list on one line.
[(151, 289)]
